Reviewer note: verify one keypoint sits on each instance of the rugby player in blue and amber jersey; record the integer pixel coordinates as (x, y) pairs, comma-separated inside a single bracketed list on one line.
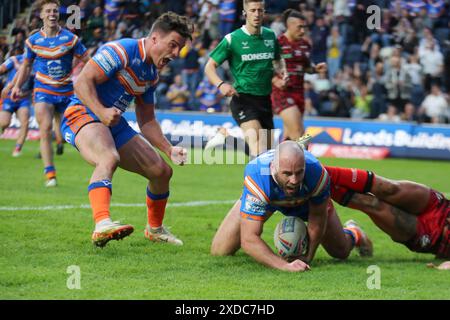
[(120, 72), (292, 181), (22, 106), (52, 50)]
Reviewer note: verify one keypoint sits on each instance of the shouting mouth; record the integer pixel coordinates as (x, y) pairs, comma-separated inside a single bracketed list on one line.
[(165, 61)]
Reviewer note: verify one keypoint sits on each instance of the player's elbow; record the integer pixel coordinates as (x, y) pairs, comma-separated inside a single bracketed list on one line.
[(248, 243)]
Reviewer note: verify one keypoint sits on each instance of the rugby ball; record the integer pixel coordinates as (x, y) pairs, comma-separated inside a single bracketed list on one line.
[(291, 237)]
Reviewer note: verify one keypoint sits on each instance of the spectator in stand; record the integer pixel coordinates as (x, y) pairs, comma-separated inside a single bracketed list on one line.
[(20, 26), (436, 9), (209, 96), (165, 80), (35, 23), (191, 69), (362, 101), (410, 113), (426, 41), (96, 20), (435, 108), (277, 25), (114, 9), (227, 9), (415, 6), (398, 84), (415, 71), (376, 86), (432, 61), (319, 34), (335, 46), (390, 115), (210, 24), (178, 95)]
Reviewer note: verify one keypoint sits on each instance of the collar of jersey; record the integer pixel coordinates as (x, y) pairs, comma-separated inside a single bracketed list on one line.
[(244, 29), (143, 55), (45, 35)]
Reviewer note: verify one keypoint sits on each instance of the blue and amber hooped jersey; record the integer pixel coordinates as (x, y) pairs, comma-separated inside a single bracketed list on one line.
[(129, 76), (262, 195), (53, 60), (12, 65)]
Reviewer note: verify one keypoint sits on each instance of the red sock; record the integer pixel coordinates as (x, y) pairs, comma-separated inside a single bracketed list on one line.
[(353, 179), (156, 208)]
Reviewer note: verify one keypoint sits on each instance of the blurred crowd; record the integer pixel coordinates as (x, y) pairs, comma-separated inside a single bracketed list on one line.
[(394, 68)]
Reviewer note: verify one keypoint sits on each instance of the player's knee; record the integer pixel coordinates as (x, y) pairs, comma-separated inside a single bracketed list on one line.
[(340, 252), (218, 251), (164, 172), (109, 161), (223, 248)]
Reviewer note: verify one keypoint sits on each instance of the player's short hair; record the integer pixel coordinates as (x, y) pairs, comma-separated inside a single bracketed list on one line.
[(40, 4), (170, 21), (246, 2), (291, 13)]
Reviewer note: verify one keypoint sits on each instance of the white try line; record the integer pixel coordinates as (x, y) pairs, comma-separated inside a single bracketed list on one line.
[(126, 205), (123, 205)]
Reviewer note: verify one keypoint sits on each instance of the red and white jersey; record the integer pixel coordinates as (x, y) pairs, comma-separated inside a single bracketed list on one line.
[(296, 55)]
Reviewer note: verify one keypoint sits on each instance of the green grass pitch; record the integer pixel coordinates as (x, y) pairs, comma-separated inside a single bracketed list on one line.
[(38, 245)]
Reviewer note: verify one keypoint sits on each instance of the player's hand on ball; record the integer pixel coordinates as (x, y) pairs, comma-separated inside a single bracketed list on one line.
[(178, 155), (297, 266)]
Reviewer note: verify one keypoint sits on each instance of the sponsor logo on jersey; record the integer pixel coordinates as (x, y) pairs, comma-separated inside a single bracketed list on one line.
[(40, 40), (253, 204), (245, 45), (105, 60), (55, 69), (64, 38), (258, 56), (269, 43)]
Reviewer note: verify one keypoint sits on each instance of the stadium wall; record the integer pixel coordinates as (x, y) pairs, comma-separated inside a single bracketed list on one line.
[(332, 136)]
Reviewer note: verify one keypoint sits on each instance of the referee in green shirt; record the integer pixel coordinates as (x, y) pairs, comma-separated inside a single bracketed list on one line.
[(253, 54)]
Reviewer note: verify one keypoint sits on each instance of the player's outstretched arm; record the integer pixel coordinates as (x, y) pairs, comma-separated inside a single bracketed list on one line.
[(254, 246), (317, 223)]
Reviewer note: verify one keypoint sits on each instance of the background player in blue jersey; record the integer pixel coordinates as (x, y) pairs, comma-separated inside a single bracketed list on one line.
[(22, 106), (120, 72), (52, 50), (293, 182)]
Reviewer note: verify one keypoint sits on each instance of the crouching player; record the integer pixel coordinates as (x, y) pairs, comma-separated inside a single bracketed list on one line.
[(120, 72), (292, 181), (410, 213)]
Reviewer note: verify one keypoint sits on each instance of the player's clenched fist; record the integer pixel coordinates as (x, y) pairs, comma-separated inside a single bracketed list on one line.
[(16, 93), (178, 155), (110, 116)]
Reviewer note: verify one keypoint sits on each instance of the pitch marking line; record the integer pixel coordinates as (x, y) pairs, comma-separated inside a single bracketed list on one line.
[(126, 205)]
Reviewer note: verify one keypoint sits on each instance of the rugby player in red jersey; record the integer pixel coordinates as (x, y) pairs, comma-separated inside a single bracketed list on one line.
[(410, 213), (287, 94)]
